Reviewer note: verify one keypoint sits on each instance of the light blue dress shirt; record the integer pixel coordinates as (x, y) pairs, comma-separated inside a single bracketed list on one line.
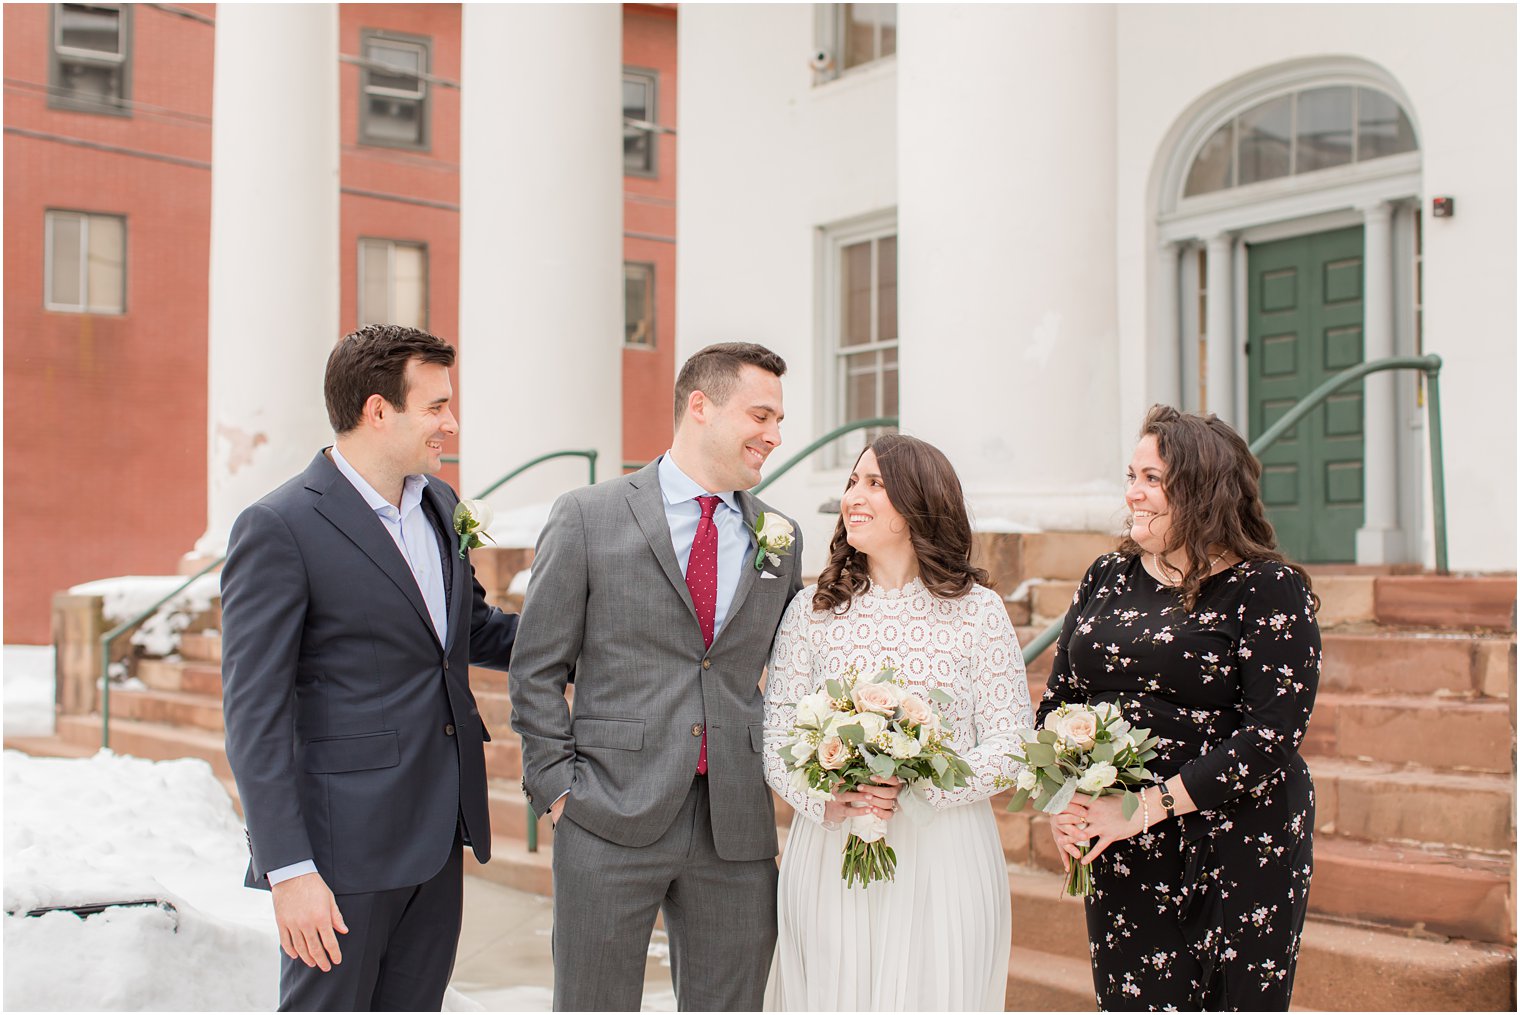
[(415, 537), (735, 543)]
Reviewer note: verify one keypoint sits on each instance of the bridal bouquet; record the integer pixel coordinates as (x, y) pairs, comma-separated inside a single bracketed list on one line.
[(1086, 748), (859, 727)]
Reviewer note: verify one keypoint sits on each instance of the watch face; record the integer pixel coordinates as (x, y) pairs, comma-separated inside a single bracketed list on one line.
[(1167, 800)]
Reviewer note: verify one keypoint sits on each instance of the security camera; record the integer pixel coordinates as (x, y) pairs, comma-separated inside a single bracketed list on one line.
[(821, 60)]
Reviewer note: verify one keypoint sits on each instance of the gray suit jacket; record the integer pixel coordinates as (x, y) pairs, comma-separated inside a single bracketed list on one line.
[(608, 602), (351, 731)]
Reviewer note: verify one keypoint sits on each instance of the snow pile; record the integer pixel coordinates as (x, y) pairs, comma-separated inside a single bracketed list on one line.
[(520, 526), (30, 690), (124, 598), (113, 828)]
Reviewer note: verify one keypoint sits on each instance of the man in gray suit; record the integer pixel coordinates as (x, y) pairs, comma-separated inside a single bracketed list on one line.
[(350, 619), (654, 591)]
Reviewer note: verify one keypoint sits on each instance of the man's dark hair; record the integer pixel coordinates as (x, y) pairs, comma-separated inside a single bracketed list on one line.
[(714, 371), (372, 361)]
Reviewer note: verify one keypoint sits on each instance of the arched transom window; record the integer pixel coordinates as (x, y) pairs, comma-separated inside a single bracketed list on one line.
[(1300, 132)]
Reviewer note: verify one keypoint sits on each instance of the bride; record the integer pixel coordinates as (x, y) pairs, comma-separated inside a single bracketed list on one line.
[(899, 588)]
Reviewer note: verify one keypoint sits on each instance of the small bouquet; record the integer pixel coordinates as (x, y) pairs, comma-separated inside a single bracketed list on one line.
[(1086, 748), (860, 727)]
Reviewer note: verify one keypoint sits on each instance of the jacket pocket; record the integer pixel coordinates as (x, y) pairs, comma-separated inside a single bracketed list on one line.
[(757, 736), (354, 754), (619, 734)]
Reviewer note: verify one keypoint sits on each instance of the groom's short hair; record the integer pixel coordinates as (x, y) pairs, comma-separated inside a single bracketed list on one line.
[(714, 371), (372, 361)]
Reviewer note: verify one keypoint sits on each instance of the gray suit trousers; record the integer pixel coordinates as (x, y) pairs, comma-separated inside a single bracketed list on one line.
[(720, 916)]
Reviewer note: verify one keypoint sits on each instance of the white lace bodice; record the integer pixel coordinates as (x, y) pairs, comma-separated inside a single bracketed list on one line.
[(965, 647)]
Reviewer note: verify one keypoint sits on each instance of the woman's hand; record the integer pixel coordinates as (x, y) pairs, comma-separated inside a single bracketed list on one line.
[(877, 798), (1105, 821), (1069, 830)]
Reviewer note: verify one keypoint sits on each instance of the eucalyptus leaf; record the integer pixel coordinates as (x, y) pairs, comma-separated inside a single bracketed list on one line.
[(1018, 801), (835, 688), (939, 697), (1103, 752), (1057, 803), (852, 734), (1128, 804), (1039, 755), (882, 764), (1046, 737)]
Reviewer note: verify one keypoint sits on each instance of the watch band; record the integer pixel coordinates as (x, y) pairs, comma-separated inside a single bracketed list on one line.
[(1167, 800)]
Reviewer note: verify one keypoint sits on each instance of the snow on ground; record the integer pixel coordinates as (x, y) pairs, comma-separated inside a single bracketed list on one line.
[(126, 597), (30, 690)]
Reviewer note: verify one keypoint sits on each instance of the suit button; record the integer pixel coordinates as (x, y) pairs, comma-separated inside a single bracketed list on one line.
[(445, 664), (696, 729), (448, 729), (707, 664)]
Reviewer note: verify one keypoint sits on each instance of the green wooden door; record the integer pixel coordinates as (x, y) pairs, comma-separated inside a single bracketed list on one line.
[(1305, 325)]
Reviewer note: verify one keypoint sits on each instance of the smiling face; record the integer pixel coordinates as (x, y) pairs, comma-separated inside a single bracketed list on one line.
[(871, 523), (734, 439), (1145, 496), (414, 435)]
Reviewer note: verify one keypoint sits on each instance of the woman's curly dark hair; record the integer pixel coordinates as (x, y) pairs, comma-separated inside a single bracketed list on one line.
[(923, 487), (1213, 493)]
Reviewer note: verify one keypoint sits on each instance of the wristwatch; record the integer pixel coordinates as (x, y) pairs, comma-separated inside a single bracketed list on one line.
[(1167, 800)]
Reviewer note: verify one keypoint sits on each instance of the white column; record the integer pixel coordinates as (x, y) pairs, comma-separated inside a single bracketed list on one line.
[(274, 250), (540, 245), (1379, 540), (1165, 357), (1219, 330), (1006, 198)]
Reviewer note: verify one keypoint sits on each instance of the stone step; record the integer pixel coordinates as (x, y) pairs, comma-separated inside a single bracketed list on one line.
[(1486, 602), (201, 646), (1384, 802), (1063, 555), (482, 679), (1040, 981), (51, 747), (181, 675), (510, 813), (1438, 733), (495, 709), (151, 740), (174, 708), (512, 865), (1418, 662)]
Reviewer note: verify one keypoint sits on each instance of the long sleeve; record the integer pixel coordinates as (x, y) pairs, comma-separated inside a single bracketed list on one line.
[(789, 679), (1279, 659), (1064, 686), (1000, 707)]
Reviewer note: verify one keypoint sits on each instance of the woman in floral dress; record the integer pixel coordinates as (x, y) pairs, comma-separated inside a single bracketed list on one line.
[(1202, 632), (899, 587)]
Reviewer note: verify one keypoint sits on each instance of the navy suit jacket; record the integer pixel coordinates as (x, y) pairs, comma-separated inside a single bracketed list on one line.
[(352, 732)]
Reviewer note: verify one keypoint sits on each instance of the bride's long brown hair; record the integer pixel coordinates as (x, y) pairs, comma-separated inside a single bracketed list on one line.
[(1213, 493), (923, 487)]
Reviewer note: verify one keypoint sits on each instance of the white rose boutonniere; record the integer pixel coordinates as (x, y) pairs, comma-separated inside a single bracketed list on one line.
[(470, 520), (775, 535)]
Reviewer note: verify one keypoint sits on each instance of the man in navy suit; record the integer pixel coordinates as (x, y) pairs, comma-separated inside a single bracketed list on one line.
[(350, 620)]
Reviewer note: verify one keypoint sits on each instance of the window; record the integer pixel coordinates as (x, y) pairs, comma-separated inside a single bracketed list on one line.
[(638, 304), (863, 326), (89, 67), (639, 108), (85, 265), (1301, 132), (393, 283), (393, 92), (853, 35)]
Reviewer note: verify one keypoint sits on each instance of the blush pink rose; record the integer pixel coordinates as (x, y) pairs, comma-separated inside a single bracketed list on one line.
[(879, 698), (833, 753), (915, 709), (1081, 728)]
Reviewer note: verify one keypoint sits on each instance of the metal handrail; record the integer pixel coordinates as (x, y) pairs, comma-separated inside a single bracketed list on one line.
[(109, 638), (831, 436), (1430, 365)]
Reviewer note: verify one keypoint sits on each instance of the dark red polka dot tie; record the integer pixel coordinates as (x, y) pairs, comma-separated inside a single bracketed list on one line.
[(702, 581)]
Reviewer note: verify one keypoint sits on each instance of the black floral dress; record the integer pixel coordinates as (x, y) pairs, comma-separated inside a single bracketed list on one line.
[(1204, 912)]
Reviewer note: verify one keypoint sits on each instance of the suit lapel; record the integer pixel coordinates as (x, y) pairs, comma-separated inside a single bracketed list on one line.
[(460, 595), (648, 505), (748, 575), (341, 504)]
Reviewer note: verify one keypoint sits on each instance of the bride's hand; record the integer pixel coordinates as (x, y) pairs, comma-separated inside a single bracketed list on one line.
[(878, 800)]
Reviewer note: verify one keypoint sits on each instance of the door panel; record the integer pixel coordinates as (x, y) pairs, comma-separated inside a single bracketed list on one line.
[(1305, 325)]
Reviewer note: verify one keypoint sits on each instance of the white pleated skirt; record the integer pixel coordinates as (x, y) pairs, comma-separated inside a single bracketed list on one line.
[(934, 939)]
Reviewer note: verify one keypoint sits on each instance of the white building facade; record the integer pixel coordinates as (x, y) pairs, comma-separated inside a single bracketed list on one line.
[(1017, 227)]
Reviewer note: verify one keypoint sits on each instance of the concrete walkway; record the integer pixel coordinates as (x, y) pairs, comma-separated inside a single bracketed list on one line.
[(504, 962)]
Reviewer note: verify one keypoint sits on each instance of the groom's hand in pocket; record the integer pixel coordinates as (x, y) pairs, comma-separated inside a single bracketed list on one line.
[(307, 915)]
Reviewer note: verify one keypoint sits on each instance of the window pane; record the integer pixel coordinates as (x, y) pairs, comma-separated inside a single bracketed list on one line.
[(405, 63), (886, 291), (888, 19), (409, 285), (638, 304), (638, 145), (1324, 128), (1265, 135), (374, 270), (855, 294), (94, 82), (889, 382), (636, 99), (1381, 126), (860, 373), (860, 31), (106, 277), (90, 29), (67, 288), (1214, 165), (392, 119)]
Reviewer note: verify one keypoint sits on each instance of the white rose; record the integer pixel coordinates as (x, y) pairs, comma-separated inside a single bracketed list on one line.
[(1079, 726), (813, 709), (871, 723), (801, 785), (1098, 777), (901, 746), (1106, 711), (775, 531), (802, 749), (1027, 780), (479, 513)]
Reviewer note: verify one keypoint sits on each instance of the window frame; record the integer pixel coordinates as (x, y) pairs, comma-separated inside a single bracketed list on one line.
[(833, 394), (652, 78), (84, 306), (649, 268), (829, 31), (59, 55), (390, 280), (424, 98)]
